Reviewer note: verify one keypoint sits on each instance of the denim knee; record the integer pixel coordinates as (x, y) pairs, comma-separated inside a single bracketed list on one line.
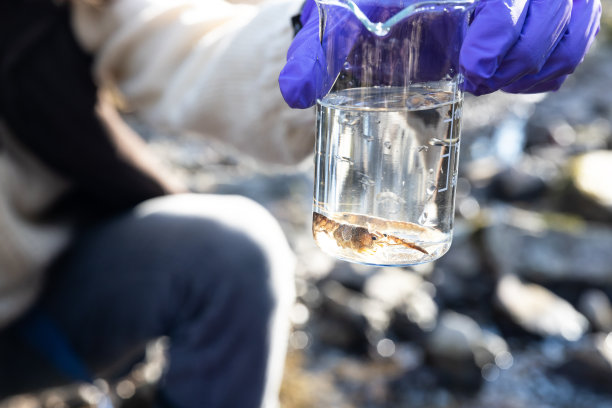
[(240, 245), (232, 318)]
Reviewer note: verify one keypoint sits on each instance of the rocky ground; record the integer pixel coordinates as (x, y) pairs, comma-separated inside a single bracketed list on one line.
[(517, 314)]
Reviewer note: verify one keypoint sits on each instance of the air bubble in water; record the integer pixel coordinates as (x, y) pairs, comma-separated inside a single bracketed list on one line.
[(347, 65), (387, 145)]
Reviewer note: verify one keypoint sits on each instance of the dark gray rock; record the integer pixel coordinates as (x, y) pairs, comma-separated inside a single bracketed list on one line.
[(401, 289), (464, 353), (347, 319), (548, 247), (460, 278), (517, 183), (589, 363)]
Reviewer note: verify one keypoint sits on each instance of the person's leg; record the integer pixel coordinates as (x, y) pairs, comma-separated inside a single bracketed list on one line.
[(214, 273)]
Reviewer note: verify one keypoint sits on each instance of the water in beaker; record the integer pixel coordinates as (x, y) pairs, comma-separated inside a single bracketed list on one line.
[(384, 184)]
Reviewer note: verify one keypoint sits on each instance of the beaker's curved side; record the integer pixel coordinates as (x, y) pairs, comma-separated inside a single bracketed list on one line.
[(383, 28)]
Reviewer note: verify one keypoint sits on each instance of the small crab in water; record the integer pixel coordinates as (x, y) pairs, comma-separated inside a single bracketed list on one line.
[(359, 239)]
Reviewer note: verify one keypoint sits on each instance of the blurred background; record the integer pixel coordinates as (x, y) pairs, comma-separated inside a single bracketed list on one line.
[(518, 313)]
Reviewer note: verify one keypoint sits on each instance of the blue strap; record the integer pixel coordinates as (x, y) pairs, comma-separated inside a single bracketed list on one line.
[(40, 332)]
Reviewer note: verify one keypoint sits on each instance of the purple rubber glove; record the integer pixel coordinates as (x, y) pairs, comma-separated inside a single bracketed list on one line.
[(520, 46), (301, 80), (527, 46), (307, 75)]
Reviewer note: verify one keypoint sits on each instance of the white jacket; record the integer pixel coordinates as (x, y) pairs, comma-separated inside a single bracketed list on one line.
[(208, 66)]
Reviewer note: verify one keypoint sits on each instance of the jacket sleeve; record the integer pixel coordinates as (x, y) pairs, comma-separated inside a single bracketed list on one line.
[(209, 67)]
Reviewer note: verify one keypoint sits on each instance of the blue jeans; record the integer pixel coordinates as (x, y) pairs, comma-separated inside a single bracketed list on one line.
[(213, 273)]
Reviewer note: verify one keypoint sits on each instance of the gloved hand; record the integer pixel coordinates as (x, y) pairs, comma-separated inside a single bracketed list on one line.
[(520, 46), (527, 46), (308, 76), (301, 80)]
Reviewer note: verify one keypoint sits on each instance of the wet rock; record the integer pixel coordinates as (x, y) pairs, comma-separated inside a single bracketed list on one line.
[(516, 184), (492, 351), (456, 291), (410, 301), (529, 177), (539, 311), (308, 293), (406, 291), (581, 99), (589, 363), (531, 383), (595, 305), (347, 319), (487, 111), (351, 275), (463, 257), (536, 173), (573, 138), (459, 277), (464, 353), (420, 389), (407, 298), (454, 336), (480, 173), (590, 177), (549, 247), (407, 356)]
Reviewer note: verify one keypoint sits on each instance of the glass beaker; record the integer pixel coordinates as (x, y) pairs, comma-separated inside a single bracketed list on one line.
[(388, 129)]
